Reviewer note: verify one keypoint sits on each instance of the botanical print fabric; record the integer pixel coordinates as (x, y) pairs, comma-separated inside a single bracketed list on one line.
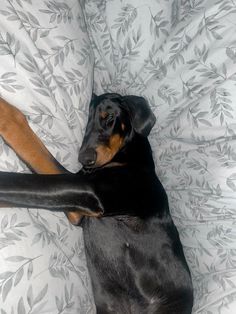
[(46, 70), (181, 56)]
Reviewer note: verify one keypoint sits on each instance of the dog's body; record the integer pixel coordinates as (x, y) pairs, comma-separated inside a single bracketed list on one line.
[(134, 255)]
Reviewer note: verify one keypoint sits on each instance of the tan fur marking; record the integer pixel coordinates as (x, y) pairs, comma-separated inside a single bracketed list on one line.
[(103, 114), (17, 133), (74, 217), (106, 153)]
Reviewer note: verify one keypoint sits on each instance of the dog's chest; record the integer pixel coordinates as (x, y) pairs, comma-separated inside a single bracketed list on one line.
[(108, 235), (118, 251), (112, 242)]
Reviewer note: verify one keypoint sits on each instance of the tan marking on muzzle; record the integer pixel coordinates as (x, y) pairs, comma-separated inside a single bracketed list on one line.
[(106, 153)]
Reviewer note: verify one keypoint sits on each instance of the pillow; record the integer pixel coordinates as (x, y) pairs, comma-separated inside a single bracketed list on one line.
[(180, 55), (46, 70)]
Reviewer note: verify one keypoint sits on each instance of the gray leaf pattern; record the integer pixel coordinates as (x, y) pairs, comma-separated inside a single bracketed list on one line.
[(46, 71), (182, 59)]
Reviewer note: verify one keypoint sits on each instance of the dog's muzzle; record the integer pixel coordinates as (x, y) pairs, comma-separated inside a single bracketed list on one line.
[(88, 157)]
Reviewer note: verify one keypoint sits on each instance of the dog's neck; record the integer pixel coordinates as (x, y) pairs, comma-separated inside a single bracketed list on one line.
[(136, 152)]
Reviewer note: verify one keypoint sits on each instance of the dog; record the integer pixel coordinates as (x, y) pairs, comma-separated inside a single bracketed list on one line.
[(134, 255)]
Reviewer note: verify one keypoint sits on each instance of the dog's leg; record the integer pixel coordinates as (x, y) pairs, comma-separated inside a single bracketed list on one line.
[(87, 194), (19, 136), (91, 194), (70, 192)]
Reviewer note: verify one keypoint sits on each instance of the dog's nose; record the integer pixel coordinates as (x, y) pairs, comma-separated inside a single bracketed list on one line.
[(88, 157)]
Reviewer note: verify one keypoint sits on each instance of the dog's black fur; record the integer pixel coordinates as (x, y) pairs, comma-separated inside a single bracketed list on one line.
[(134, 254)]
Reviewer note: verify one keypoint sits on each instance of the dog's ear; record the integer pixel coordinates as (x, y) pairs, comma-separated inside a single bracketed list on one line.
[(94, 97), (142, 117)]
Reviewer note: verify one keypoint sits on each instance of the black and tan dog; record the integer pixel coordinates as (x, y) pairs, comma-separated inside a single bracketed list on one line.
[(134, 254)]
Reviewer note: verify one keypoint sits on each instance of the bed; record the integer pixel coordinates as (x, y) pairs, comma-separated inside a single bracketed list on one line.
[(180, 55), (46, 70)]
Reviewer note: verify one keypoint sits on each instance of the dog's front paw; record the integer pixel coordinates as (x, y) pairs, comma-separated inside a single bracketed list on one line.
[(94, 206), (88, 204)]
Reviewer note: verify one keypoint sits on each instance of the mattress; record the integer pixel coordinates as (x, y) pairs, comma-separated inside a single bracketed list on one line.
[(181, 56)]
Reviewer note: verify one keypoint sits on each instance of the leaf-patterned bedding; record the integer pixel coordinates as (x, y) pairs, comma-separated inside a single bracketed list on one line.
[(46, 70), (180, 55)]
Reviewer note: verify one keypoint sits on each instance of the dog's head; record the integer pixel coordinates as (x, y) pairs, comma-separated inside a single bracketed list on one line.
[(112, 121)]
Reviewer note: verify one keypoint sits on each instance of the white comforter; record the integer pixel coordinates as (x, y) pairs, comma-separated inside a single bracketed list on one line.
[(46, 70), (180, 55)]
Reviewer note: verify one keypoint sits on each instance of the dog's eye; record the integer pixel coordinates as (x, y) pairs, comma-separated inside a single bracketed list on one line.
[(109, 120)]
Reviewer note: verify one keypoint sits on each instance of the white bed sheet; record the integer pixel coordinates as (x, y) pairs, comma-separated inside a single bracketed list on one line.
[(46, 70)]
